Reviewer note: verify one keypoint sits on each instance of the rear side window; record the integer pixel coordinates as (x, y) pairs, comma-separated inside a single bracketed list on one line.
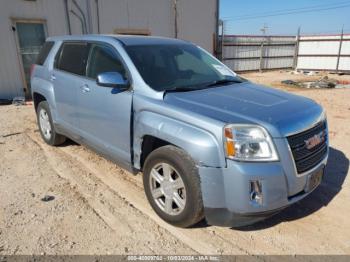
[(72, 58), (44, 52)]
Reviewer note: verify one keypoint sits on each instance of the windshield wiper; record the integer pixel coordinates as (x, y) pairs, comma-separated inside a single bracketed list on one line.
[(202, 86), (181, 89), (223, 81)]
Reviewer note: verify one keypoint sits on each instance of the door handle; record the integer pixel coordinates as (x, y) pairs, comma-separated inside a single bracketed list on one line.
[(53, 78), (85, 88)]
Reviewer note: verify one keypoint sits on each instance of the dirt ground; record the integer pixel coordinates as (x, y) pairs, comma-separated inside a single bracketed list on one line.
[(100, 209)]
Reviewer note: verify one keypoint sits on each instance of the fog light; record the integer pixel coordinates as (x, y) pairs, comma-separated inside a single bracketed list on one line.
[(256, 195)]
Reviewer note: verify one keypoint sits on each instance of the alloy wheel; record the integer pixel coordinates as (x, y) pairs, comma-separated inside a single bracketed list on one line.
[(45, 124), (167, 189)]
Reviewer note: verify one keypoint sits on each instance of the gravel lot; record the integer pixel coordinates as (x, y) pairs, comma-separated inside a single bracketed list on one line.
[(100, 209)]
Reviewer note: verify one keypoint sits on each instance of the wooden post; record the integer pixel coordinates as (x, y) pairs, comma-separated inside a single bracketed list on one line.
[(261, 57), (222, 41), (339, 50), (296, 50)]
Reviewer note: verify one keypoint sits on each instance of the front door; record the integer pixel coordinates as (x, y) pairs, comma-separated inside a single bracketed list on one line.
[(31, 36), (105, 113)]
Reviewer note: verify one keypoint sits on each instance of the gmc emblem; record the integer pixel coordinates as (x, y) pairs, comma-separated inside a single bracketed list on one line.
[(315, 140)]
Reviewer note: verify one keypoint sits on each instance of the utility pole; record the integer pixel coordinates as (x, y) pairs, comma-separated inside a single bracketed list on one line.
[(263, 30)]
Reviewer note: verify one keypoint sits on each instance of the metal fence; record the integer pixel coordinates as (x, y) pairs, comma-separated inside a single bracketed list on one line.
[(245, 53), (331, 53), (254, 52)]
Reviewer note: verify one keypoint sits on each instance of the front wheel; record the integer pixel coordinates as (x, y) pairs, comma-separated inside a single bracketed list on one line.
[(172, 186)]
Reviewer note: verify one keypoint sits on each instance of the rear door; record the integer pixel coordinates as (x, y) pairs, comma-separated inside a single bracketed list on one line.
[(105, 113), (68, 77)]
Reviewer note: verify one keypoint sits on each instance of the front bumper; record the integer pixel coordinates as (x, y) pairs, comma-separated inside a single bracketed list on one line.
[(226, 195), (225, 218)]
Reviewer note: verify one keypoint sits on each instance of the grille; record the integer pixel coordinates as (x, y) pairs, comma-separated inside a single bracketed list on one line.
[(304, 158)]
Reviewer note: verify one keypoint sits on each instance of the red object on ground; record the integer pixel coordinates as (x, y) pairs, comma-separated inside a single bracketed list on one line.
[(344, 82)]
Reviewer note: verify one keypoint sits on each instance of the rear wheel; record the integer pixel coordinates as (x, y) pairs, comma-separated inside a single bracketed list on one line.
[(172, 186), (46, 126)]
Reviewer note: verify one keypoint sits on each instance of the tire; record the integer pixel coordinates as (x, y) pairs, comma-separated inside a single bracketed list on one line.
[(46, 126), (187, 205)]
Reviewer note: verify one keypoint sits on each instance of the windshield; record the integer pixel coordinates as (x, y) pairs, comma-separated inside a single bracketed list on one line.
[(171, 67)]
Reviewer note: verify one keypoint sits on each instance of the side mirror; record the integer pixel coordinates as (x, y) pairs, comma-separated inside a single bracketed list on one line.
[(112, 79)]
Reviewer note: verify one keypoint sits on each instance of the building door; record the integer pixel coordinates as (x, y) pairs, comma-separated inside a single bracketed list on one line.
[(30, 38)]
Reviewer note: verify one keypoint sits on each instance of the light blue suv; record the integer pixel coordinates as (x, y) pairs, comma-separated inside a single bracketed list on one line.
[(210, 144)]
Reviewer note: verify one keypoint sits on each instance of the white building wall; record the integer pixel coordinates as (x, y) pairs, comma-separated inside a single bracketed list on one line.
[(155, 15), (11, 82), (196, 23)]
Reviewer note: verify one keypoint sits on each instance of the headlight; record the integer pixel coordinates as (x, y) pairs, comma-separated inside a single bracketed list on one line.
[(248, 143)]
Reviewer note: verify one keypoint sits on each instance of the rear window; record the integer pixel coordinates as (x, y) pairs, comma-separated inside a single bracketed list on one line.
[(73, 57), (44, 52)]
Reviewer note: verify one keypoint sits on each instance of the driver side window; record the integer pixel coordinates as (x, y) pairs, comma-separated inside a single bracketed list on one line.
[(104, 59)]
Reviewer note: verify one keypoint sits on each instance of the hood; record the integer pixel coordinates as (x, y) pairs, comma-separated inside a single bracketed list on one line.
[(281, 113)]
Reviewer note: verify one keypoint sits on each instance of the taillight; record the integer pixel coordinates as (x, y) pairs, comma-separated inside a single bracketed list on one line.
[(32, 69)]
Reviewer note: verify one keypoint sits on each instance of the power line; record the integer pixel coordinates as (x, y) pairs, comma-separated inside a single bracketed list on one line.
[(279, 13), (289, 13), (288, 10), (346, 30), (230, 30)]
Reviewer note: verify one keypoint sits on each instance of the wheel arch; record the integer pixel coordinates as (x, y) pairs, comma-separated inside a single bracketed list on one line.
[(149, 144), (42, 90), (152, 130), (37, 98)]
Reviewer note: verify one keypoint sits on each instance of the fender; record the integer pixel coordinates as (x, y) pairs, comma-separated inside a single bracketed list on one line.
[(200, 144), (45, 88)]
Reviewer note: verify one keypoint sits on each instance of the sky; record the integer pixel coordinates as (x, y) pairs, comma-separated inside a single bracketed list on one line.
[(235, 14)]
